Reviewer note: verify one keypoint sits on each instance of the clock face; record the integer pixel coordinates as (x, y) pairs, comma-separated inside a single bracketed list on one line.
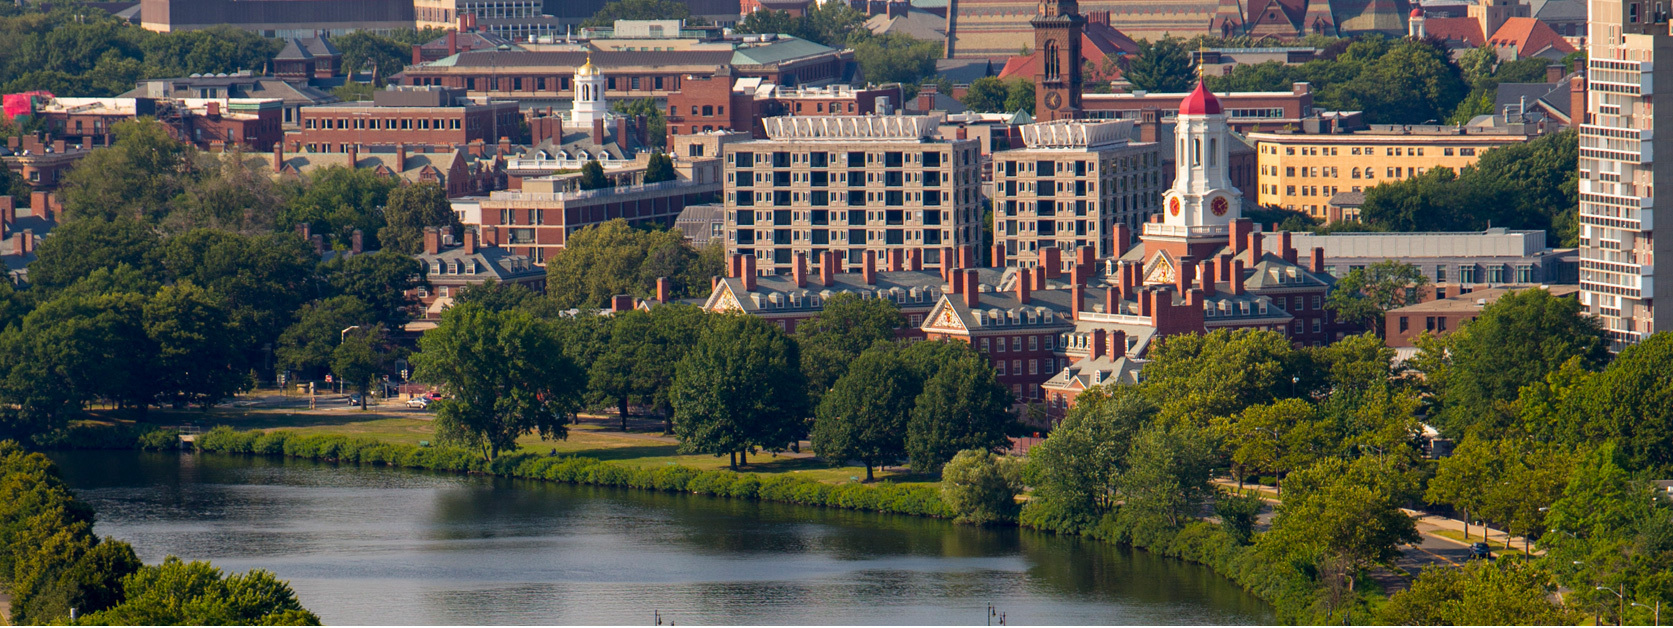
[(1054, 100), (1173, 206), (1220, 205)]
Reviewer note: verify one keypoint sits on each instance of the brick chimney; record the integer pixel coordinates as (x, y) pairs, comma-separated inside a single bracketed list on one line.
[(1241, 228), (319, 244), (1207, 278), (1554, 73), (998, 256), (966, 256), (304, 230), (470, 243), (1096, 346), (621, 303), (749, 273), (947, 262), (278, 157), (1577, 99), (1085, 258), (432, 240), (895, 261), (1318, 260), (1112, 300), (37, 202), (827, 268), (1038, 276), (971, 288), (1022, 291), (1118, 344), (1225, 260), (915, 259), (1077, 294), (1184, 275), (417, 54), (1052, 260), (8, 210), (798, 269), (664, 290), (505, 145), (1146, 298), (354, 155), (28, 241), (357, 241), (213, 109), (735, 265), (1236, 278), (598, 132), (868, 272), (1284, 246), (1254, 248), (400, 156), (452, 42)]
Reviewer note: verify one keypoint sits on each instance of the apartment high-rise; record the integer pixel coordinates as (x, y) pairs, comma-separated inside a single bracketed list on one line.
[(1629, 44), (1071, 184), (849, 185)]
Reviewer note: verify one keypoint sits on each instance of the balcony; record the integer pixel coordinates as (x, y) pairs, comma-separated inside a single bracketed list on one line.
[(1185, 231)]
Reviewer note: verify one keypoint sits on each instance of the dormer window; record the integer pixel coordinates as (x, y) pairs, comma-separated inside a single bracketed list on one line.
[(1263, 307)]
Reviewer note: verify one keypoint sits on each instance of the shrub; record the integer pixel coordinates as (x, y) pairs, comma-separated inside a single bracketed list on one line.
[(981, 487), (159, 440)]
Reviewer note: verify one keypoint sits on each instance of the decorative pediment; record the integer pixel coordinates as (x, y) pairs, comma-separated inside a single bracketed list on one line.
[(725, 301), (944, 318), (1161, 270)]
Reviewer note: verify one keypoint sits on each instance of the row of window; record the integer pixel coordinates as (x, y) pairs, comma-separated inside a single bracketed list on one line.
[(787, 218), (820, 237), (854, 198), (386, 124), (821, 178), (1046, 366), (1388, 151), (851, 159), (1048, 228)]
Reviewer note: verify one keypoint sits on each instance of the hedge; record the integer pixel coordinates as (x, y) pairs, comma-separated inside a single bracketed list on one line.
[(923, 501)]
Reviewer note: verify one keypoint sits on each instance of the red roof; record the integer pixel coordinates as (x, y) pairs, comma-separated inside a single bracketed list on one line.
[(1530, 37), (1417, 12), (1200, 102), (1097, 43), (1464, 29)]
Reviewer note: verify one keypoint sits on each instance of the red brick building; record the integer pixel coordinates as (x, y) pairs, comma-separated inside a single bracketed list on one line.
[(41, 162), (414, 116), (209, 123), (1245, 111)]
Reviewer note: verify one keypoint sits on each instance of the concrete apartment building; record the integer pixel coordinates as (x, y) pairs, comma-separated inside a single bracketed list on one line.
[(851, 184), (414, 116), (1628, 47), (1070, 186), (1302, 171), (1454, 262)]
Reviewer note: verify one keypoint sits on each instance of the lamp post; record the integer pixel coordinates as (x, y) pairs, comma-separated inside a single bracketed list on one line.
[(341, 338), (1621, 619), (1657, 610)]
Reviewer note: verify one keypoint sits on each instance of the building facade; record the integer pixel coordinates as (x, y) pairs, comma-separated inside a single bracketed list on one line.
[(414, 116), (1453, 262), (1302, 171), (278, 18), (1071, 186), (1246, 112), (1057, 36), (851, 184)]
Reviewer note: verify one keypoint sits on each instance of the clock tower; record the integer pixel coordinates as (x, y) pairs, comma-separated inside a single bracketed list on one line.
[(1057, 36)]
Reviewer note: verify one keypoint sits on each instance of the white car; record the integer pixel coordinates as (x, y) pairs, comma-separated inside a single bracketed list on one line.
[(418, 402)]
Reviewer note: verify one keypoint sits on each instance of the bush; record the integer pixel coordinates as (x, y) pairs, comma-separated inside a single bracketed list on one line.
[(981, 487), (159, 440)]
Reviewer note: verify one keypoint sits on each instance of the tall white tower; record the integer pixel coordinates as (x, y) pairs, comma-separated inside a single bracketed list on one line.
[(589, 96), (1203, 194)]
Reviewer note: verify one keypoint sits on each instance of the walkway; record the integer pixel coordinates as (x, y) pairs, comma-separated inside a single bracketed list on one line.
[(5, 609)]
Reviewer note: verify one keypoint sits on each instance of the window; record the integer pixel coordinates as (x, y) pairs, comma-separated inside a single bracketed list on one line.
[(1016, 344), (1403, 324), (984, 345), (1033, 343)]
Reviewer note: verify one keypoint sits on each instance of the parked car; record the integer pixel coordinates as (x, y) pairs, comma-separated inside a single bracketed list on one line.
[(354, 399), (1480, 550), (418, 402)]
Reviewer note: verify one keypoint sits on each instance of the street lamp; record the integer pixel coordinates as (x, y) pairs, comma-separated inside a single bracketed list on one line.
[(341, 338), (1621, 620), (1657, 611)]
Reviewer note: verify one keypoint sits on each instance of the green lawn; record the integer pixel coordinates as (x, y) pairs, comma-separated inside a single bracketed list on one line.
[(1498, 547), (589, 439)]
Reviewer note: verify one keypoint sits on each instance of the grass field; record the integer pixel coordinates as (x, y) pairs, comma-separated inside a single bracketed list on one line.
[(593, 438)]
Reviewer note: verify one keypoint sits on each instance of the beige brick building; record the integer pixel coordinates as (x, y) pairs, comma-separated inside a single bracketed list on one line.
[(1071, 185), (851, 184), (1301, 171)]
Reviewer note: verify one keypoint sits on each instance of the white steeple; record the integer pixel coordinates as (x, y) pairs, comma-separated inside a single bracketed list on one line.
[(589, 96), (1203, 194)]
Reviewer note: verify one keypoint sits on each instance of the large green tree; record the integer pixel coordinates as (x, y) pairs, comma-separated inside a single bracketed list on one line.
[(831, 340), (1344, 516), (864, 416), (79, 247), (615, 258), (739, 388), (137, 177), (180, 593), (361, 359), (1075, 472), (197, 360), (336, 201), (307, 345), (380, 280), (1366, 294), (962, 406), (410, 209), (503, 375), (982, 487), (1160, 66)]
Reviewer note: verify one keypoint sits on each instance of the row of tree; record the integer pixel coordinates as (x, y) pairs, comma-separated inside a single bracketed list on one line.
[(52, 565)]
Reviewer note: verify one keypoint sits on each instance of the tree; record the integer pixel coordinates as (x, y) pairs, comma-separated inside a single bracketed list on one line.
[(231, 193), (864, 416), (308, 344), (638, 10), (1238, 514), (1413, 83), (136, 177), (831, 340), (982, 487), (656, 130), (738, 389), (380, 280), (896, 58), (613, 258), (963, 406), (1020, 97), (659, 169), (1160, 66), (1514, 342), (1366, 294), (337, 201), (986, 95), (1075, 471), (1507, 592), (1167, 476), (364, 51), (503, 374), (1344, 513), (1198, 377), (79, 247), (1520, 186), (592, 176), (1631, 404), (261, 279), (411, 208), (1274, 438), (197, 361), (88, 347), (495, 296), (361, 358), (178, 593)]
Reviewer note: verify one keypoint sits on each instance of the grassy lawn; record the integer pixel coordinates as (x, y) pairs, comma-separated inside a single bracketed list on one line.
[(589, 439), (1497, 546)]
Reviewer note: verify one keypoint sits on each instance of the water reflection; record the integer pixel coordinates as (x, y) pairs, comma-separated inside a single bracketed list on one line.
[(385, 546)]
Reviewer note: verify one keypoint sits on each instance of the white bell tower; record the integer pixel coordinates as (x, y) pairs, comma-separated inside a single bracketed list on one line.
[(589, 96), (1203, 194)]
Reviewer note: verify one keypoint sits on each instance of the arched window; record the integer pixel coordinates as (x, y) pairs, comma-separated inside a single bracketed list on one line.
[(1196, 151), (1053, 64), (1213, 149)]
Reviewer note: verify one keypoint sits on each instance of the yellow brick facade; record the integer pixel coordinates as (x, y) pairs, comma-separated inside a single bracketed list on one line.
[(1302, 172)]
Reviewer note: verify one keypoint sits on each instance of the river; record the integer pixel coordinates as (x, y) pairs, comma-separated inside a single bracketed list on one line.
[(373, 545)]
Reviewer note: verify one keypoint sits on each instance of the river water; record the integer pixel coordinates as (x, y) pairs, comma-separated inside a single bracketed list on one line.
[(371, 545)]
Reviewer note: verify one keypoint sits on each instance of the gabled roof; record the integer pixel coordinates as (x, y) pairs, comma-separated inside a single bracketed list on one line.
[(778, 294), (1084, 374), (1558, 10), (1554, 98), (486, 263), (1530, 37), (1463, 29), (1001, 310), (1098, 43)]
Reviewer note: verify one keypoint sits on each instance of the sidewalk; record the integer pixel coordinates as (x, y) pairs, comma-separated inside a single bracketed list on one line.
[(1427, 524)]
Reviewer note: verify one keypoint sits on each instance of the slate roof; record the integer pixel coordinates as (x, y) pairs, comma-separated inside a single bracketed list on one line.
[(306, 48), (1462, 29), (778, 294), (917, 23), (1084, 374), (486, 263), (1554, 97), (1558, 10)]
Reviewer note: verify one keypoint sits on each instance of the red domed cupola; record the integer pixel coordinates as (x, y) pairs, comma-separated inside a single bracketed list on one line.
[(1200, 102)]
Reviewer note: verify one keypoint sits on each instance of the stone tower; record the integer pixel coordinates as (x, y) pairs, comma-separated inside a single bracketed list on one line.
[(1057, 37)]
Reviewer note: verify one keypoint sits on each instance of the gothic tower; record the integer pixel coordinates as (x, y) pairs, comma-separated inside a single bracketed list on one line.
[(1057, 36)]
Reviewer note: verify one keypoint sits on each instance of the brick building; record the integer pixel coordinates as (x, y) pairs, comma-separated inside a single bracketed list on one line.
[(414, 116), (1440, 317), (851, 184), (1070, 187), (278, 18), (41, 162), (242, 85), (451, 265), (208, 123), (1246, 111)]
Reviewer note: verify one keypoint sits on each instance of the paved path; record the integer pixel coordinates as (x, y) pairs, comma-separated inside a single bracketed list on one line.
[(5, 608)]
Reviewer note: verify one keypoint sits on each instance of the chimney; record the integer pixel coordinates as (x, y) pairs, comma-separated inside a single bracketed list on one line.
[(798, 269), (1554, 73), (1241, 228), (505, 145), (1254, 248), (1085, 258), (1577, 99), (400, 156), (1146, 298), (598, 132), (868, 272), (452, 42), (18, 247), (1318, 260), (1096, 348), (955, 285), (1207, 278), (354, 156), (998, 256), (894, 257), (1023, 290), (213, 109), (735, 265), (621, 132), (1039, 277), (432, 240), (621, 303), (1077, 294), (8, 210), (417, 54), (278, 157), (971, 288), (1236, 278), (714, 283), (947, 262), (1185, 275), (1118, 344), (305, 231), (319, 244), (749, 273), (966, 256), (1225, 269), (470, 242), (664, 290), (1284, 245), (827, 268), (357, 241), (28, 241), (915, 259), (37, 202), (1052, 260), (1112, 300)]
